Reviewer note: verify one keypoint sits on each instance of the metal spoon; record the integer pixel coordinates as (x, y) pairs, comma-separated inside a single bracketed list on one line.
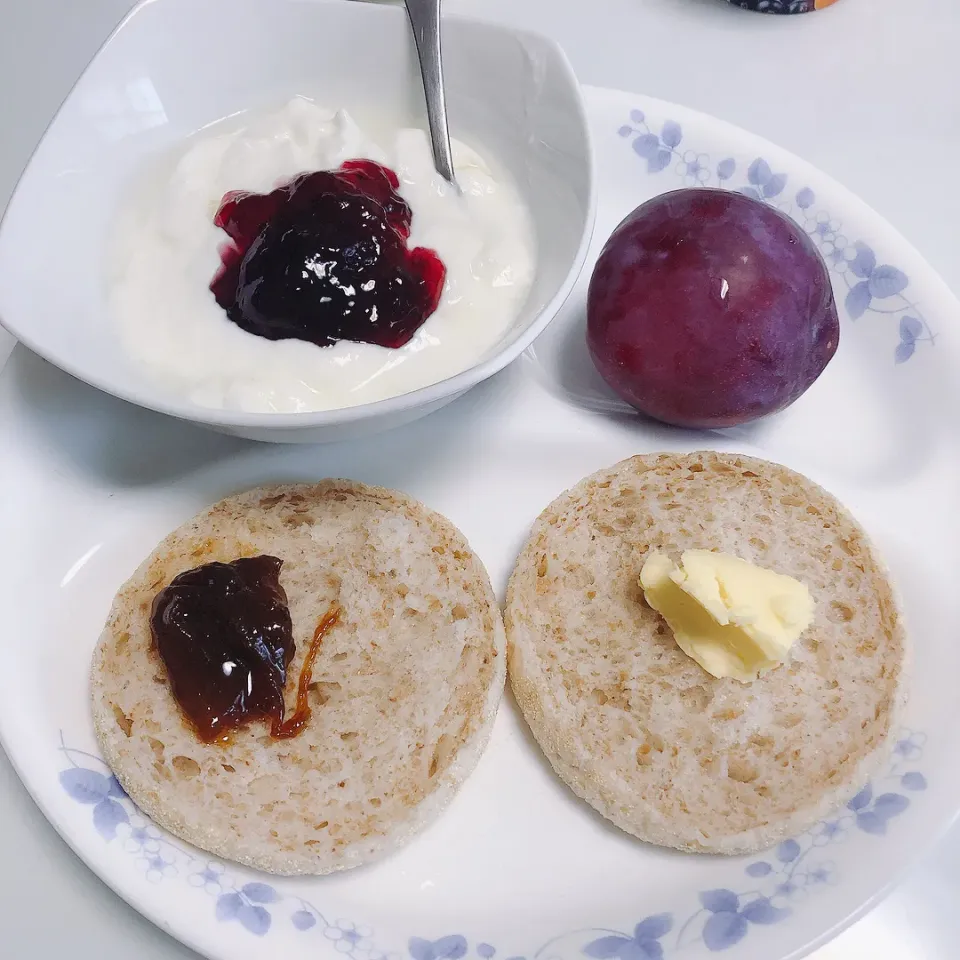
[(425, 19)]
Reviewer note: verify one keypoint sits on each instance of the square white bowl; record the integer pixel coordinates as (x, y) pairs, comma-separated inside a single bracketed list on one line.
[(175, 66)]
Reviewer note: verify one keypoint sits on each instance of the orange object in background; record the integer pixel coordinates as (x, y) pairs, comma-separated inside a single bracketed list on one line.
[(782, 6)]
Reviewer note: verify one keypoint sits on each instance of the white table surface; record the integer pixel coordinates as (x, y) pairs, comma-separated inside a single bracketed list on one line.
[(868, 90)]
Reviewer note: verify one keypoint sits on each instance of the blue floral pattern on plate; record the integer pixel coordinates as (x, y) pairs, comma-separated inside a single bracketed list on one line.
[(773, 888), (255, 906), (862, 284)]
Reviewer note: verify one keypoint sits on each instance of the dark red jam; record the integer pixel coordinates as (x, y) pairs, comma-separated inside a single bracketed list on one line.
[(225, 636), (325, 258)]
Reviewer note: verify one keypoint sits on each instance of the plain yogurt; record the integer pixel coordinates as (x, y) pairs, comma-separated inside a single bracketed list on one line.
[(166, 252)]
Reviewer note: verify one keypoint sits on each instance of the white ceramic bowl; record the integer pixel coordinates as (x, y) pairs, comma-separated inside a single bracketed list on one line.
[(174, 66)]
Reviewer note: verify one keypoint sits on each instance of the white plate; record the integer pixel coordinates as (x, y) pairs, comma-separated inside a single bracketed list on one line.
[(517, 867)]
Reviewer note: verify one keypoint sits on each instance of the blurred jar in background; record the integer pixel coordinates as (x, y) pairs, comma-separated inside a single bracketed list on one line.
[(782, 6)]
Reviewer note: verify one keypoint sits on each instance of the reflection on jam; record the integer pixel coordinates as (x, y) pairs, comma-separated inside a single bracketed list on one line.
[(224, 634), (325, 258)]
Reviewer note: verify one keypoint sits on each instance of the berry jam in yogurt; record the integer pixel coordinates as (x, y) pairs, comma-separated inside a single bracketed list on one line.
[(241, 282), (324, 258)]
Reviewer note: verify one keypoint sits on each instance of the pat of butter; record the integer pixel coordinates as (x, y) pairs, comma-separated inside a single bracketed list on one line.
[(734, 618)]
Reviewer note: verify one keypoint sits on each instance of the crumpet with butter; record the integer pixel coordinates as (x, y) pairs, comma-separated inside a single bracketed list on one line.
[(637, 727)]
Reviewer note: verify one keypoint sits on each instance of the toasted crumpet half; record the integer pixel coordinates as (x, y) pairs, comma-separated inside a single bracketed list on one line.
[(405, 686), (638, 729)]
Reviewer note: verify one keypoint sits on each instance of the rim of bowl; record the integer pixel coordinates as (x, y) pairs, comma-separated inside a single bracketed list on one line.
[(422, 396)]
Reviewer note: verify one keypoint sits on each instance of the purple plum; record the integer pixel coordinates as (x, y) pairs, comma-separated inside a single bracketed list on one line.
[(708, 308)]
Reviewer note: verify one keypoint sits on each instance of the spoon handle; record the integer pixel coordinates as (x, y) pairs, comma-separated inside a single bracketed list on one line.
[(425, 19)]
